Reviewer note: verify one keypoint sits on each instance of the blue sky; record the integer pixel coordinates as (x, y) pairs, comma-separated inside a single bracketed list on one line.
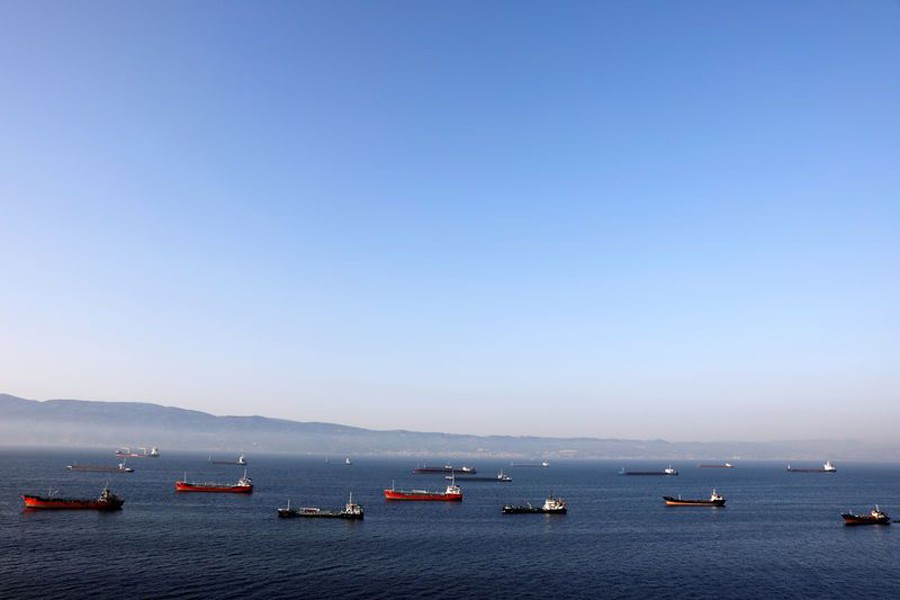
[(670, 220)]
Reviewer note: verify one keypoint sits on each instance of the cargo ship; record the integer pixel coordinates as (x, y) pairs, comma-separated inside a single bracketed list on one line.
[(670, 470), (540, 464), (446, 469), (350, 511), (106, 501), (243, 486), (501, 477), (552, 506), (453, 493), (826, 468), (716, 466), (120, 468), (715, 499), (240, 461), (875, 517), (140, 453)]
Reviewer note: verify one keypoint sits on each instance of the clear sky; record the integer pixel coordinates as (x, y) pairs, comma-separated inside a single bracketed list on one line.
[(674, 220)]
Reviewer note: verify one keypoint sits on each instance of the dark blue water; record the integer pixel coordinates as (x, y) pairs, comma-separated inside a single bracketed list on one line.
[(780, 535)]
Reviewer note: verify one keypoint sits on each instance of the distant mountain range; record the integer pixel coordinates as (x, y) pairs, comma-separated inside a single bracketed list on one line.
[(81, 423)]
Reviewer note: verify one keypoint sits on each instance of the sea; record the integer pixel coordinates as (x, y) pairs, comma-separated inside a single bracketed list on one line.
[(779, 536)]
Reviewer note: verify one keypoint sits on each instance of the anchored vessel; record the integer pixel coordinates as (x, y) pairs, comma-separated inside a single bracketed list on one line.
[(453, 493), (540, 464), (501, 477), (106, 501), (350, 511), (670, 470), (446, 469), (826, 468), (244, 485), (120, 468), (240, 461), (715, 499), (140, 453), (552, 506), (875, 517), (716, 466)]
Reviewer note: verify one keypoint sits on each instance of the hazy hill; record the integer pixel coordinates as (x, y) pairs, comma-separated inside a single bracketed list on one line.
[(81, 423)]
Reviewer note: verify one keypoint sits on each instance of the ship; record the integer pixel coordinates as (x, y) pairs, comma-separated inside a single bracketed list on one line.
[(826, 468), (552, 506), (453, 493), (240, 461), (464, 470), (139, 453), (715, 499), (875, 517), (543, 463), (107, 501), (120, 468), (244, 485), (716, 466), (670, 470), (501, 477), (350, 511)]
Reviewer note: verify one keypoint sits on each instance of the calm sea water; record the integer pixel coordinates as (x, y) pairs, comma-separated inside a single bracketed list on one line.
[(780, 535)]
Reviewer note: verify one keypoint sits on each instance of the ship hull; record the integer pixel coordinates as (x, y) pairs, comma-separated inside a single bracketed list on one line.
[(530, 510), (670, 501), (183, 486), (422, 496), (865, 520), (301, 513), (43, 503), (99, 469)]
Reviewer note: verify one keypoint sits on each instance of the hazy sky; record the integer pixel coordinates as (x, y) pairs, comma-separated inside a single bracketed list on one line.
[(614, 219)]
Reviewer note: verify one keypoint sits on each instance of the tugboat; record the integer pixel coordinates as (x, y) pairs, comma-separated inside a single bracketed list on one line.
[(107, 502), (453, 493), (875, 517), (350, 511), (552, 506), (244, 485), (715, 499), (826, 468), (121, 468), (446, 469)]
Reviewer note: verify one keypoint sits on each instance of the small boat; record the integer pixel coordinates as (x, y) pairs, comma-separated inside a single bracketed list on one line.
[(716, 466), (875, 517), (106, 501), (826, 468), (667, 471), (350, 511), (347, 461), (240, 461), (140, 453), (464, 470), (244, 485), (501, 478), (715, 499), (552, 506), (453, 493), (120, 468)]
